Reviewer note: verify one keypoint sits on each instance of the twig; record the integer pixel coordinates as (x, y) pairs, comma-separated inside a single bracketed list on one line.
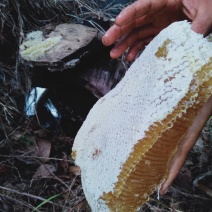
[(197, 183), (18, 156), (87, 7), (32, 196), (7, 137), (190, 195), (19, 202), (5, 134), (20, 23)]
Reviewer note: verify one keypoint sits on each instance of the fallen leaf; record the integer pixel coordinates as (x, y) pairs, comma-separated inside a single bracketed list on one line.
[(42, 149), (44, 170), (74, 169), (41, 133), (17, 136)]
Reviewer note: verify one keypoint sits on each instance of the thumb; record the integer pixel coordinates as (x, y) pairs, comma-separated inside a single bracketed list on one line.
[(202, 23), (179, 157), (176, 163)]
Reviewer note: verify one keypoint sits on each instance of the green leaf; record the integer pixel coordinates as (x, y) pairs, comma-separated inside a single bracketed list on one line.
[(46, 201)]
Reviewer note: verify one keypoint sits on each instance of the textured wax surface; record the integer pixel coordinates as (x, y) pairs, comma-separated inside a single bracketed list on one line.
[(36, 45), (123, 142)]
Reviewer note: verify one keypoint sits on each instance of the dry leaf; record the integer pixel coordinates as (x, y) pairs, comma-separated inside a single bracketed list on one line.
[(17, 136), (42, 149), (74, 169), (41, 133), (44, 170)]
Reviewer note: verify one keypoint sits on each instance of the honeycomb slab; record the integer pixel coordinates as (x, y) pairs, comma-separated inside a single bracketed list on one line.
[(125, 145)]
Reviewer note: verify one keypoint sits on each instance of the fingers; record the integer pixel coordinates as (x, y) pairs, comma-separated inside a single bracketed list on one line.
[(199, 12), (135, 40), (139, 9), (114, 33), (202, 23), (133, 16), (188, 9), (186, 144), (201, 118), (175, 166), (136, 48)]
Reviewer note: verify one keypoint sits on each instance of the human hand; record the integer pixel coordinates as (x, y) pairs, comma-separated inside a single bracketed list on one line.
[(138, 24), (141, 21), (186, 145)]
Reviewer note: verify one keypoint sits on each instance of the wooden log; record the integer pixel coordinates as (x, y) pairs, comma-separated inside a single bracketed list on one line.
[(62, 48)]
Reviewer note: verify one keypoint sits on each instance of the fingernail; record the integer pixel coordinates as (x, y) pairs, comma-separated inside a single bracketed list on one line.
[(115, 50), (105, 39), (106, 34), (129, 57), (119, 16)]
